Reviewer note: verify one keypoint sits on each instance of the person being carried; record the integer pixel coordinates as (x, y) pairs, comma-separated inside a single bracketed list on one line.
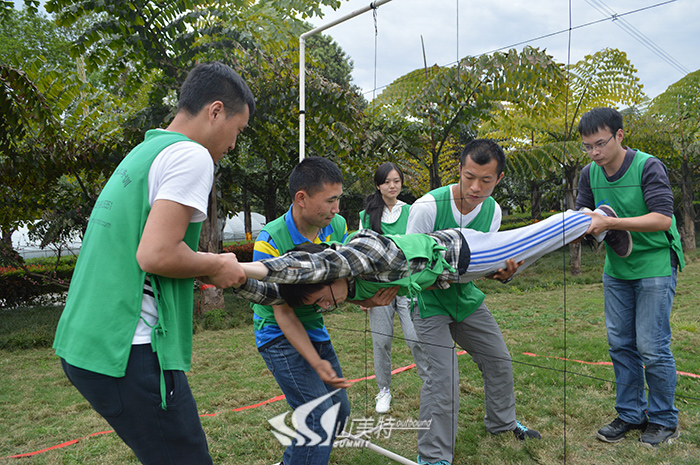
[(325, 275)]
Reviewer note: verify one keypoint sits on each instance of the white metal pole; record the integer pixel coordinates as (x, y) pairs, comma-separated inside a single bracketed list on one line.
[(379, 450), (302, 97), (302, 68)]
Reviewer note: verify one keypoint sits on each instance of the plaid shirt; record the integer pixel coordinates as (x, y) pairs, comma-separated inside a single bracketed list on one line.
[(367, 255)]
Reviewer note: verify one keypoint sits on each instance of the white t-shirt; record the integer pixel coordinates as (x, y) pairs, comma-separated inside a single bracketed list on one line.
[(183, 173), (421, 217)]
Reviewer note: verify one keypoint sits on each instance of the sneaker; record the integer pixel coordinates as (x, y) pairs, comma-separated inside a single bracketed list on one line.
[(383, 400), (615, 431), (619, 241), (656, 435), (522, 433), (423, 462)]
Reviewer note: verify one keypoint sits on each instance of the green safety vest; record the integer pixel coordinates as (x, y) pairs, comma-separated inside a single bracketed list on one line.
[(413, 246), (307, 314), (461, 299), (397, 227), (651, 251), (103, 306)]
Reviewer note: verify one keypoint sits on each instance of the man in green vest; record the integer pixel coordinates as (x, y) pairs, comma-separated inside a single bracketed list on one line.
[(639, 287), (294, 342), (125, 335), (459, 313)]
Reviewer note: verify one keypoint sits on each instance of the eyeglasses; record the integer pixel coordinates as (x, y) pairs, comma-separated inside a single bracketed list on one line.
[(599, 146), (330, 308)]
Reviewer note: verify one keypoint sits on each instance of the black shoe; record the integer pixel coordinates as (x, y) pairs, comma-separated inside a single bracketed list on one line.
[(619, 241), (615, 431), (522, 433), (656, 435)]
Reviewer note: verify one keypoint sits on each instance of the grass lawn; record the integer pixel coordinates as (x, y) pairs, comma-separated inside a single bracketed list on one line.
[(545, 314)]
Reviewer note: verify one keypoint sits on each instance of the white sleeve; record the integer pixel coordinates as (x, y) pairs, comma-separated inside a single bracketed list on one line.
[(183, 173), (497, 216), (421, 216)]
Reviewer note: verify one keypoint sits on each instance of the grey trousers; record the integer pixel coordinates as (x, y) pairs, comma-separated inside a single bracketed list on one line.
[(481, 337), (381, 321)]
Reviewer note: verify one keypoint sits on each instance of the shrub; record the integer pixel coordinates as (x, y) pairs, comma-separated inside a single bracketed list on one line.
[(243, 250), (9, 256), (20, 286)]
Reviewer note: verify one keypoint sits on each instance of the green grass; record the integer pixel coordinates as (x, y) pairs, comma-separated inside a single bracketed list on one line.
[(539, 313)]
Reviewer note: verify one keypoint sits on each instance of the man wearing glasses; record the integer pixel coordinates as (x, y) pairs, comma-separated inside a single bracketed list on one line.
[(640, 286)]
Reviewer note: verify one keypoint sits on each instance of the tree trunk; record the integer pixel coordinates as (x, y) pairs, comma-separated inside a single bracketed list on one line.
[(6, 237), (575, 258), (270, 204), (247, 220), (687, 209), (209, 296), (535, 201), (434, 172), (571, 178)]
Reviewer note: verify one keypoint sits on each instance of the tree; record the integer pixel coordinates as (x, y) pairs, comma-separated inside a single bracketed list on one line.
[(678, 109), (329, 60), (149, 46), (440, 107), (264, 163), (544, 144), (59, 133), (26, 35)]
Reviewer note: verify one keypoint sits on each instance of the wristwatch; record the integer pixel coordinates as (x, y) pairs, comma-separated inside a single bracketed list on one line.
[(506, 281)]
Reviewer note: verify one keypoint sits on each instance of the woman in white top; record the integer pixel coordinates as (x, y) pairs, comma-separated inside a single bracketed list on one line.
[(386, 214)]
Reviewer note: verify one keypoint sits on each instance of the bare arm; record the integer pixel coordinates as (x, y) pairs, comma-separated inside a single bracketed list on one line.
[(162, 250), (255, 270), (296, 334)]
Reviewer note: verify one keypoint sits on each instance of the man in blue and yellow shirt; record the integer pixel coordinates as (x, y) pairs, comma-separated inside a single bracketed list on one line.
[(294, 342)]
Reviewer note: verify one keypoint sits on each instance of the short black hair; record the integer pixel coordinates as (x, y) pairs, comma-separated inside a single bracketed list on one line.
[(208, 82), (312, 174), (482, 151), (295, 294), (600, 118)]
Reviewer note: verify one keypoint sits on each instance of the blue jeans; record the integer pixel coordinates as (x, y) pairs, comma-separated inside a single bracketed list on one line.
[(301, 384), (637, 318)]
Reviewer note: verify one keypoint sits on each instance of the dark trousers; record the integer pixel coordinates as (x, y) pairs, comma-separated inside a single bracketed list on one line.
[(132, 406)]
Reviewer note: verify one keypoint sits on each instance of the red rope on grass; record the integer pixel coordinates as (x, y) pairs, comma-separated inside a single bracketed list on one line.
[(281, 397), (683, 373)]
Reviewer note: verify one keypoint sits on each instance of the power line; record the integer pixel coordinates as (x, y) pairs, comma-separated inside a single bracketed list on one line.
[(613, 17), (637, 35)]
